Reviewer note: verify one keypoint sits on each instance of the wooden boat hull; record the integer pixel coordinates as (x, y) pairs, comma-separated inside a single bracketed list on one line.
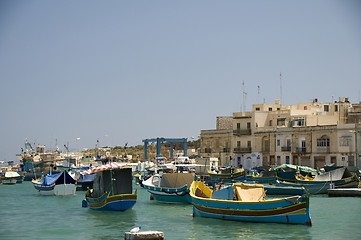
[(119, 202), (287, 210), (170, 195), (226, 175), (264, 179), (313, 187)]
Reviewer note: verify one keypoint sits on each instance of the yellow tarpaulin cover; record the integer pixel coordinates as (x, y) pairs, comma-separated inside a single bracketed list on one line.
[(249, 193)]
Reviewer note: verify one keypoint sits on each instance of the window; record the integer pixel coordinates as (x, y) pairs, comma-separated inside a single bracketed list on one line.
[(326, 108), (270, 109), (238, 126), (278, 160), (299, 122), (257, 108), (345, 141), (324, 141), (249, 144), (248, 125), (278, 142), (336, 108), (287, 159), (238, 144), (288, 142), (270, 122), (305, 108), (281, 122)]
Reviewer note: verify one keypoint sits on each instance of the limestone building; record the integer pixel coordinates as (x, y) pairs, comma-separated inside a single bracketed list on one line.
[(310, 134)]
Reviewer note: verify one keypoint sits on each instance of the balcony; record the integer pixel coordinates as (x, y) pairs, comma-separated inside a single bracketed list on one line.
[(301, 150), (323, 149), (242, 132), (286, 149), (226, 150), (242, 150)]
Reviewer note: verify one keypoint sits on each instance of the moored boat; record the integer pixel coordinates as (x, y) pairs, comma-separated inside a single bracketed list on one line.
[(56, 184), (228, 175), (112, 189), (11, 178), (242, 202), (170, 187), (338, 178)]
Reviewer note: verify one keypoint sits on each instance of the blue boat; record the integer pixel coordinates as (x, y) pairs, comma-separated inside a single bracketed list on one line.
[(112, 190), (56, 184), (266, 177), (170, 187), (85, 181), (338, 178), (242, 202)]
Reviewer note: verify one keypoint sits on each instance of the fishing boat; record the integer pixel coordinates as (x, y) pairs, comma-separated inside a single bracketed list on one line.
[(288, 172), (56, 184), (85, 182), (337, 178), (112, 189), (241, 202), (11, 178), (227, 175), (170, 187), (265, 177)]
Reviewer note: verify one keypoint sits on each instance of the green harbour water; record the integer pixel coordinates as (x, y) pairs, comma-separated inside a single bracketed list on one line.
[(25, 214)]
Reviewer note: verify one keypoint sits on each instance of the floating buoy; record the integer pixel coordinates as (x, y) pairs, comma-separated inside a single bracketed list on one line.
[(151, 197)]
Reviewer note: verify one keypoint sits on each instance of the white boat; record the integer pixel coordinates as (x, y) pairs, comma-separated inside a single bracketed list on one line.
[(11, 178)]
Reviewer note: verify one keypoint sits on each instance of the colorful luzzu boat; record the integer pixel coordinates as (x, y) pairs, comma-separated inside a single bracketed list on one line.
[(249, 205), (338, 178), (225, 177), (112, 190)]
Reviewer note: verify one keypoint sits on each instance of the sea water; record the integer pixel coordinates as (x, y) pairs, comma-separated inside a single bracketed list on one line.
[(25, 214)]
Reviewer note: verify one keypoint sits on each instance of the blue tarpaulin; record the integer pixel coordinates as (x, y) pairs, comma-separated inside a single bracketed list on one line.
[(58, 179), (86, 178)]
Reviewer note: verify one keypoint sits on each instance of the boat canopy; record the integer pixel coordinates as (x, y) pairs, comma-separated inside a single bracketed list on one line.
[(112, 181), (301, 168), (86, 178), (58, 179), (176, 180), (11, 174), (334, 175)]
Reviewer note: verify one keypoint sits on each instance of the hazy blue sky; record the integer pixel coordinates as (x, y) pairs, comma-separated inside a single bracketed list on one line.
[(141, 69)]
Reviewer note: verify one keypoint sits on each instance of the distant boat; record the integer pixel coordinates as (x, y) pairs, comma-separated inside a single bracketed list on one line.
[(56, 184), (242, 202), (11, 178), (85, 181), (225, 176), (112, 189), (266, 177), (338, 178), (170, 187)]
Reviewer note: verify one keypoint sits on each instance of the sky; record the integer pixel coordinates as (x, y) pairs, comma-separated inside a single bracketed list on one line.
[(123, 71)]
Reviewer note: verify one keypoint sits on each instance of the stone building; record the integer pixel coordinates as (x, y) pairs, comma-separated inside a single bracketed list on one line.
[(311, 134)]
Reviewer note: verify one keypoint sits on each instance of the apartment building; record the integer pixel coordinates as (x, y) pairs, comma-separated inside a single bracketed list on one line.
[(311, 134)]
